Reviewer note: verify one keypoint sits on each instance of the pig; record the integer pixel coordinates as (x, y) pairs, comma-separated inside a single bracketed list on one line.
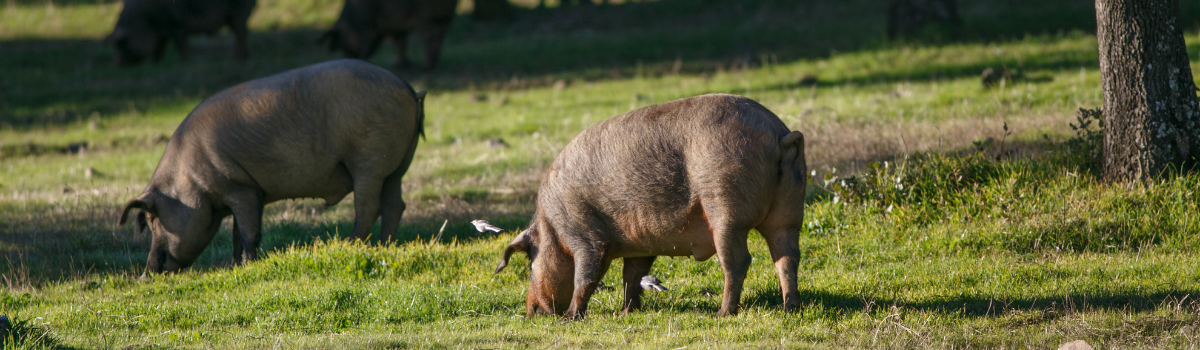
[(363, 24), (145, 26), (684, 178), (320, 131)]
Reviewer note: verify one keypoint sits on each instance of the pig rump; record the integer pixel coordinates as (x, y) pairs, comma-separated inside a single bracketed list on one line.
[(688, 177)]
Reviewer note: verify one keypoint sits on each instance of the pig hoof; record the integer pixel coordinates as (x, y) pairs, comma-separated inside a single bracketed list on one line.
[(724, 312)]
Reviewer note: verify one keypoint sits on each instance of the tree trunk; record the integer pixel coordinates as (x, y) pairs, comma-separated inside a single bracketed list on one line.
[(1151, 122)]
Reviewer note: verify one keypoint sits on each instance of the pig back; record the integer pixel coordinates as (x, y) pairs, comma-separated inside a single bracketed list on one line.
[(304, 132), (639, 175)]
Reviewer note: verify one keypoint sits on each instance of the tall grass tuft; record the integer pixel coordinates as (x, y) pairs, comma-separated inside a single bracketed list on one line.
[(19, 334)]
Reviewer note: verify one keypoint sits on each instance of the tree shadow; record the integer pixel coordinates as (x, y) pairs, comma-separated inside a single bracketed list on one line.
[(50, 243), (61, 81)]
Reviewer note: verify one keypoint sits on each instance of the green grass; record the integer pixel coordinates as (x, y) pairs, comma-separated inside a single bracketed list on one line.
[(935, 228)]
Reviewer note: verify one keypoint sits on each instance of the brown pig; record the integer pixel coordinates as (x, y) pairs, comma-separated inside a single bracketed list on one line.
[(320, 131), (145, 26), (688, 177), (364, 24)]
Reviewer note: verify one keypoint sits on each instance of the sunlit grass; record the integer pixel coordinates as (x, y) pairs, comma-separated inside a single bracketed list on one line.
[(1027, 250)]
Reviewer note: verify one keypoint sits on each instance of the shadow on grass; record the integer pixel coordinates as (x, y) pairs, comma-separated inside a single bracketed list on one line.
[(67, 241), (58, 81), (984, 307)]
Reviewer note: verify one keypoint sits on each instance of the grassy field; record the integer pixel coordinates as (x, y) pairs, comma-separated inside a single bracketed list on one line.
[(943, 214)]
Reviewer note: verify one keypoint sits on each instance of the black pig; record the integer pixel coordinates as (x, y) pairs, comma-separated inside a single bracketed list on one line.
[(145, 26), (365, 23)]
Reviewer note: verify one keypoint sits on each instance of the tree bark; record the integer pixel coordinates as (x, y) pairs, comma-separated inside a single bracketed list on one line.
[(1151, 121)]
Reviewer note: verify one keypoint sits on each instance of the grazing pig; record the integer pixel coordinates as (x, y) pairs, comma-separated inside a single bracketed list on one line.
[(320, 131), (145, 26), (365, 23), (688, 177)]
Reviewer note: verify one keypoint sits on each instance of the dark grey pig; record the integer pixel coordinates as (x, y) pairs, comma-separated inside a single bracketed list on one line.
[(145, 26), (320, 131), (689, 177), (365, 23)]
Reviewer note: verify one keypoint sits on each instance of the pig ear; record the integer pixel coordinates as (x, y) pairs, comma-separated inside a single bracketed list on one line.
[(522, 242), (141, 222), (332, 37), (790, 138), (139, 203)]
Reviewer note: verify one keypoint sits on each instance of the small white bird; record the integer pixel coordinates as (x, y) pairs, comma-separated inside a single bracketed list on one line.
[(481, 225), (651, 283)]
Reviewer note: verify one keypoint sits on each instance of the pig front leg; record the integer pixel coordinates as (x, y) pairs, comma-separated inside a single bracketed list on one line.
[(240, 52), (631, 276), (366, 205), (590, 266), (247, 226)]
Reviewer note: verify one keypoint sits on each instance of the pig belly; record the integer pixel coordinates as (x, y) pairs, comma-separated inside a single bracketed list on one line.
[(699, 235), (695, 239), (332, 185)]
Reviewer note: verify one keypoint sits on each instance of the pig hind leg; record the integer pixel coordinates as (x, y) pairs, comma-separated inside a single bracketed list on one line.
[(160, 48), (237, 24), (433, 35), (783, 242), (730, 239), (237, 244), (367, 190), (181, 46), (401, 41), (631, 276), (392, 205)]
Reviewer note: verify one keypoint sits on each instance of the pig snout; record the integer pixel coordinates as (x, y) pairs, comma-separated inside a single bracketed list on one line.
[(162, 261)]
